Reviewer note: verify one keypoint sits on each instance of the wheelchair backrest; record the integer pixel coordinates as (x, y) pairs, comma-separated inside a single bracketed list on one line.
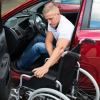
[(67, 70)]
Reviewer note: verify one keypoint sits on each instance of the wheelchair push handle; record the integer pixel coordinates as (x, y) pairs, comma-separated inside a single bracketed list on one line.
[(26, 76), (91, 41), (76, 49)]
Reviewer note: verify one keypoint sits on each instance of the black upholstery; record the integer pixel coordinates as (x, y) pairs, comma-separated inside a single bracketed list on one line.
[(5, 78), (15, 43)]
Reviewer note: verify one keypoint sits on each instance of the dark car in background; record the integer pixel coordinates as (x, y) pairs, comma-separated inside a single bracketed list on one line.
[(84, 14)]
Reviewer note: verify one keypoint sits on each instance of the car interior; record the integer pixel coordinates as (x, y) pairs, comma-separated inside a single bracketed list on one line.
[(21, 28)]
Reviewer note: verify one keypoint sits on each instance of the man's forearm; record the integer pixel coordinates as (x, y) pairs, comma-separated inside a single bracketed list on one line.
[(49, 48), (56, 54)]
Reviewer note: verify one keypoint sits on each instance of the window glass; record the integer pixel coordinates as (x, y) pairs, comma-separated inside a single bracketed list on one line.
[(68, 1), (7, 5), (95, 15)]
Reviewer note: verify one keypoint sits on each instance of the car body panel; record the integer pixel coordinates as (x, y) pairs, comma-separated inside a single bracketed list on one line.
[(90, 54), (68, 7)]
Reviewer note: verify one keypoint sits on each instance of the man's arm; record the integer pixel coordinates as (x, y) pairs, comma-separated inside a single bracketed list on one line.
[(48, 42), (56, 54)]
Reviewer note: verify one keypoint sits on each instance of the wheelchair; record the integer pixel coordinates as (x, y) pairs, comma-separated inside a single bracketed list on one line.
[(63, 84)]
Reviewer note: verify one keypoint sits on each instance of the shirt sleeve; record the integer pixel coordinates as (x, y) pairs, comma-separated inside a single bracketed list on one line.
[(66, 31)]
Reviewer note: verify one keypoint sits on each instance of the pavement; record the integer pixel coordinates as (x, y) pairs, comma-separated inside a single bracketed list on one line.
[(9, 4)]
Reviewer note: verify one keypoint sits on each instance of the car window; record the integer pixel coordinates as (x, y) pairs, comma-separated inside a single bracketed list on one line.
[(7, 5), (68, 1), (95, 15)]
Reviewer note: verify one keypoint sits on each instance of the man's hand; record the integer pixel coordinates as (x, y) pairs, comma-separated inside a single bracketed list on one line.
[(40, 71)]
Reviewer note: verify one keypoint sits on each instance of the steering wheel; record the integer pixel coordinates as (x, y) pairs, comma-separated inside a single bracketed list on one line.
[(37, 21)]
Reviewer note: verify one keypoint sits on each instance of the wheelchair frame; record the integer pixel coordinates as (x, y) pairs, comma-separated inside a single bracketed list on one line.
[(39, 92)]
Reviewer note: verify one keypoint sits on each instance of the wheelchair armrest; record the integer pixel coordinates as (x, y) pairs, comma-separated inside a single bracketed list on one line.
[(50, 75)]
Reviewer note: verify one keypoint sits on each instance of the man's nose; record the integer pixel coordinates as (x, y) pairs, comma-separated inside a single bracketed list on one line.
[(49, 21)]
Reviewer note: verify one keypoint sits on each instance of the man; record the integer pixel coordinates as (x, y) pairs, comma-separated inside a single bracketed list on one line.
[(59, 28)]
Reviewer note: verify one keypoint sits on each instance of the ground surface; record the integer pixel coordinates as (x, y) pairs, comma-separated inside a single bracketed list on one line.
[(9, 4)]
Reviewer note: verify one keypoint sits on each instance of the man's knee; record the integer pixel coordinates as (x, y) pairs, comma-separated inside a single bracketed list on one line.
[(38, 47), (39, 38)]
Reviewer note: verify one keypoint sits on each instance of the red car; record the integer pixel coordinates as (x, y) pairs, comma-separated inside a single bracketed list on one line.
[(84, 14)]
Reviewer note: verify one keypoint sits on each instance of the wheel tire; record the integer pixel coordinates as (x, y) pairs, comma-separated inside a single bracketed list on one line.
[(82, 91)]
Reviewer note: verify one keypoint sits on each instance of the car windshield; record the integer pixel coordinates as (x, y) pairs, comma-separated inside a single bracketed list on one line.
[(95, 15)]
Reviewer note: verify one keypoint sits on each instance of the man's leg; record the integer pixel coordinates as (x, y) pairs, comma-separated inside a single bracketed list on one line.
[(38, 38), (31, 55)]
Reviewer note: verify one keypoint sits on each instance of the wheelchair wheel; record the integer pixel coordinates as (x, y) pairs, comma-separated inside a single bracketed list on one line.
[(83, 91), (47, 94)]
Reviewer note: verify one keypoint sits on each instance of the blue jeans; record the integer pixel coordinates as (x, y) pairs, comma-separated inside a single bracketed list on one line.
[(32, 52)]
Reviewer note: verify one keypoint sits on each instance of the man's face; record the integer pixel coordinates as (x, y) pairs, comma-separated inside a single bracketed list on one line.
[(52, 18)]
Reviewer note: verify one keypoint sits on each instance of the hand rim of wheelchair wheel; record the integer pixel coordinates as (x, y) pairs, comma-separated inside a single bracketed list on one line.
[(56, 95)]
